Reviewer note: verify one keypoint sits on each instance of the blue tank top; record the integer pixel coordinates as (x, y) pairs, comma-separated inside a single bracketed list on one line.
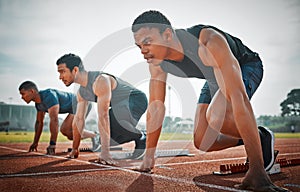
[(191, 65), (51, 97)]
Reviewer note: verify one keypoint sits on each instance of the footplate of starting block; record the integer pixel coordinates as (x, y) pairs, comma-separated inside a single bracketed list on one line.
[(87, 149), (229, 169), (275, 169), (159, 153), (240, 168), (173, 153)]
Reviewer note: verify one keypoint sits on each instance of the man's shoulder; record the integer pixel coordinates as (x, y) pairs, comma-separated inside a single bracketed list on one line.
[(47, 95), (47, 92), (55, 92), (195, 28)]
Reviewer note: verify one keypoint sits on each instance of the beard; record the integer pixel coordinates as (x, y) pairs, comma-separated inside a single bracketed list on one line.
[(68, 83)]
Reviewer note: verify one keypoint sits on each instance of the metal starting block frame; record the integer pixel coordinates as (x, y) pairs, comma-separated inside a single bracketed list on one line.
[(119, 153), (87, 149), (158, 153), (172, 153), (228, 169)]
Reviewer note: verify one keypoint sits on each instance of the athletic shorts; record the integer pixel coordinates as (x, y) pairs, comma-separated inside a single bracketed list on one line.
[(252, 73)]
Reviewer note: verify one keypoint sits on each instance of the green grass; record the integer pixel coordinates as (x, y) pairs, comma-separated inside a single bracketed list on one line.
[(287, 135), (175, 136), (27, 137)]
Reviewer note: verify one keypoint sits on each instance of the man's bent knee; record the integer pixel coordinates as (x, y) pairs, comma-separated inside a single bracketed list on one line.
[(67, 134), (215, 123)]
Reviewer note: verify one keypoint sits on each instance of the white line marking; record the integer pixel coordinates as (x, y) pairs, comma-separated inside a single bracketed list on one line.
[(217, 160), (176, 180), (51, 173), (201, 161), (107, 167), (292, 185)]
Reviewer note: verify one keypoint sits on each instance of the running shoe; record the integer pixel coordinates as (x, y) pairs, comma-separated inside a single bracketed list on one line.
[(96, 142), (267, 144), (140, 146), (51, 150)]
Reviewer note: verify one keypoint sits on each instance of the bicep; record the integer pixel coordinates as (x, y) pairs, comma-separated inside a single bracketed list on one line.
[(102, 89), (214, 50), (216, 53), (53, 111)]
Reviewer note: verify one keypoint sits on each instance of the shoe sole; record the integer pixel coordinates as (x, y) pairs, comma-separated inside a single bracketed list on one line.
[(267, 168), (140, 156)]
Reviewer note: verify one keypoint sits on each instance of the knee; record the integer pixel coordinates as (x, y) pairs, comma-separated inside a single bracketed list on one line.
[(63, 131), (199, 132), (199, 146), (201, 143), (67, 133), (215, 122)]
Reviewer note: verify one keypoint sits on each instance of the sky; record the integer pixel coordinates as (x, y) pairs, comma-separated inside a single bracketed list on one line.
[(34, 34)]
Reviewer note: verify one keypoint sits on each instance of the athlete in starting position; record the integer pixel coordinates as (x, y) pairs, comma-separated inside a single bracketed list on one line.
[(53, 102), (224, 116), (119, 104)]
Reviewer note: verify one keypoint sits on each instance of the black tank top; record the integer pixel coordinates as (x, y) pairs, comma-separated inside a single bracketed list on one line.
[(191, 65), (122, 91)]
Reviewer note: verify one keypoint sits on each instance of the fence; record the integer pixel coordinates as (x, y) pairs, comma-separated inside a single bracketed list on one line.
[(17, 117)]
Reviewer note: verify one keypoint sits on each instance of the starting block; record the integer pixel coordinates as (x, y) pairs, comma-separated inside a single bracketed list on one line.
[(159, 153), (227, 169), (87, 149), (173, 153), (275, 169)]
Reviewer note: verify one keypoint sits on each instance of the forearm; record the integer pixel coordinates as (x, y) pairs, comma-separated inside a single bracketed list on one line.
[(53, 129), (246, 124), (78, 125), (155, 117), (38, 127), (104, 130)]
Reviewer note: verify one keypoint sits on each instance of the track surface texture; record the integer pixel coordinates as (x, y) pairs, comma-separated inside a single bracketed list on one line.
[(35, 171)]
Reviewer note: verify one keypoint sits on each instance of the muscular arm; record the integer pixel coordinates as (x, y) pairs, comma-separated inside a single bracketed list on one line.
[(38, 127), (79, 121), (156, 110), (53, 115), (102, 88), (215, 52)]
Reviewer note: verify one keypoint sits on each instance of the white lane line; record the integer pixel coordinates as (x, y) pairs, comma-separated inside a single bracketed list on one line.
[(217, 160), (201, 161), (172, 179), (292, 185), (287, 154), (51, 173)]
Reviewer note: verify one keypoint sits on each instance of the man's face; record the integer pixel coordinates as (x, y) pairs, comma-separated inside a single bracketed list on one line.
[(27, 95), (152, 44), (65, 74)]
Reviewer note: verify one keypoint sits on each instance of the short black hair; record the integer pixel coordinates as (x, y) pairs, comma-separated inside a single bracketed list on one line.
[(27, 85), (152, 19), (71, 60)]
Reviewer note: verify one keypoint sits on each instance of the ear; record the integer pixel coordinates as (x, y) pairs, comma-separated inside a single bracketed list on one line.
[(75, 69), (168, 34)]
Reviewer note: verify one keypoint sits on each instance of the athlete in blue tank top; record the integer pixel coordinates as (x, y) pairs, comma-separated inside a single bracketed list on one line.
[(120, 106), (53, 102), (224, 116), (51, 97)]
